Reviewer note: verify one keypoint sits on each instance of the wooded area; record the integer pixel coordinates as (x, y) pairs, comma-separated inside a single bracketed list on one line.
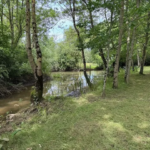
[(107, 35), (110, 33)]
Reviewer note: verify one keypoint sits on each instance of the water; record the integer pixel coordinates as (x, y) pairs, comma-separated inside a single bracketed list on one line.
[(62, 83)]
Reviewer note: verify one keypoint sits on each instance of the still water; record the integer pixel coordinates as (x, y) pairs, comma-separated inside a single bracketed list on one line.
[(61, 84)]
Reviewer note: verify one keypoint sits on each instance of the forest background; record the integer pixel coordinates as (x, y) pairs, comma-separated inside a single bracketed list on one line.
[(110, 33)]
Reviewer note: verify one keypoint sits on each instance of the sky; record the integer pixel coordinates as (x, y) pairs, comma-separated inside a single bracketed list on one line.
[(58, 30)]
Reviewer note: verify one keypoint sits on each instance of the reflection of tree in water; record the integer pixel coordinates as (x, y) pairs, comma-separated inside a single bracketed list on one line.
[(70, 82), (88, 79)]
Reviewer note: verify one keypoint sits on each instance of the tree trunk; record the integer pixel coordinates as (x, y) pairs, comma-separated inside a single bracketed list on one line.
[(73, 9), (36, 95), (128, 50), (108, 51), (10, 10), (115, 79), (101, 53), (129, 58), (28, 38), (39, 74), (132, 62), (145, 45), (88, 80), (138, 59), (2, 13), (106, 73)]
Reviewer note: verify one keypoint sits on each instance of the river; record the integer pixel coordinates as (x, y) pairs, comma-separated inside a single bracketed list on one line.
[(61, 84)]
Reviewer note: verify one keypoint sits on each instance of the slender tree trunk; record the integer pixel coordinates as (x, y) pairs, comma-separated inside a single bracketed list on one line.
[(17, 4), (10, 10), (91, 16), (39, 74), (128, 50), (88, 80), (73, 9), (83, 58), (108, 51), (138, 59), (106, 73), (37, 95), (2, 13), (138, 3), (132, 62), (145, 45), (101, 53), (28, 38), (129, 59), (115, 79)]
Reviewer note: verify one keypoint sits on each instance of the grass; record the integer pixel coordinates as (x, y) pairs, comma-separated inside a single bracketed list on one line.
[(118, 122), (89, 66)]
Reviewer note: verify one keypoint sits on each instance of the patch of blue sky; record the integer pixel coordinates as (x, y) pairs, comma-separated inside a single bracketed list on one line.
[(58, 30), (63, 24)]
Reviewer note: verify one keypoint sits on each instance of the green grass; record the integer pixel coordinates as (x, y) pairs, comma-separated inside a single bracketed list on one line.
[(89, 66), (121, 121)]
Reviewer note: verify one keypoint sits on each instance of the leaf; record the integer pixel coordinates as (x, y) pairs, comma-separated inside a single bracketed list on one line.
[(16, 131)]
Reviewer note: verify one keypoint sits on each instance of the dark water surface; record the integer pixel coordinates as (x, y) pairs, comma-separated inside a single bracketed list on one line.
[(62, 83)]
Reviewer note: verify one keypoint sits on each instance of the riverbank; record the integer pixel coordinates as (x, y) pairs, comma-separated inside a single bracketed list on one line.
[(19, 83), (120, 121), (61, 84), (9, 87)]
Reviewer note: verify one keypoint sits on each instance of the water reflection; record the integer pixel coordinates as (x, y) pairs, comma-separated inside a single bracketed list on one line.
[(65, 82), (62, 83)]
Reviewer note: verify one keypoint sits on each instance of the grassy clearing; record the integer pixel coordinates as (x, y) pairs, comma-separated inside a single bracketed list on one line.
[(118, 122)]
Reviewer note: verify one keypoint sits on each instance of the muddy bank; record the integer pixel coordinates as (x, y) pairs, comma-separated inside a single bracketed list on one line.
[(8, 122), (29, 115), (62, 84), (26, 115)]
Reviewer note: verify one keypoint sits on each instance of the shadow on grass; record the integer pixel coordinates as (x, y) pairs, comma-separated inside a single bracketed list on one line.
[(120, 121)]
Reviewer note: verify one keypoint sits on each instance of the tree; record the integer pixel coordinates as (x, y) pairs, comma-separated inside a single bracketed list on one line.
[(145, 44), (89, 6), (110, 25), (115, 78), (72, 5), (36, 68)]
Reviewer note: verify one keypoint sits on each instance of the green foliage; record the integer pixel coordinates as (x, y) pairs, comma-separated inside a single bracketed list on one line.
[(97, 60), (68, 56), (88, 56), (60, 56), (3, 72), (3, 143), (49, 52)]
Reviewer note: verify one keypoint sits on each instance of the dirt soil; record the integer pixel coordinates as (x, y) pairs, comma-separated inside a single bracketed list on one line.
[(8, 123)]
